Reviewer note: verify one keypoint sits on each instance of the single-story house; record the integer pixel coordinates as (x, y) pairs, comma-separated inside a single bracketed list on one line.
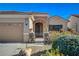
[(57, 23), (74, 22), (16, 26)]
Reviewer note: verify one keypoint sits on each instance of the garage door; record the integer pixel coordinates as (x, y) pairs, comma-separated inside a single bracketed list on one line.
[(11, 32)]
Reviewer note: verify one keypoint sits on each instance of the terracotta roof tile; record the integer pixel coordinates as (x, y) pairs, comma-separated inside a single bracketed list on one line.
[(16, 12), (10, 12), (76, 15)]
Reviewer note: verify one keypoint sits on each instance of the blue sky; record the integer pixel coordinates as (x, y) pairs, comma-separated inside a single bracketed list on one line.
[(54, 9)]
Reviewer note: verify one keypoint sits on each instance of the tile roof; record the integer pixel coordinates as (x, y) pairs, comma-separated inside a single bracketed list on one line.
[(10, 12), (58, 17), (76, 15), (16, 12)]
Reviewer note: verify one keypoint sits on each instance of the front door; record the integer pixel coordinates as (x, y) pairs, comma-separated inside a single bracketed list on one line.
[(39, 30)]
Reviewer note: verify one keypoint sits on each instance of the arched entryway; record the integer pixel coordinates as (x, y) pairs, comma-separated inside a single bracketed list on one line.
[(39, 29)]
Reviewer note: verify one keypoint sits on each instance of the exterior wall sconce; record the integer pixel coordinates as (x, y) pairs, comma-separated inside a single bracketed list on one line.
[(26, 24)]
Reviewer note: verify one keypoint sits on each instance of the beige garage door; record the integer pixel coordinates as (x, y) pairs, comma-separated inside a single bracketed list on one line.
[(11, 32)]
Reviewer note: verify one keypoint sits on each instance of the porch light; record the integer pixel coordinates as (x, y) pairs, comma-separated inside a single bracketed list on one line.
[(26, 24)]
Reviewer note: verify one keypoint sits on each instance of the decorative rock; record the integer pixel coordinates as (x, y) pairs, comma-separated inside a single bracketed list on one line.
[(25, 52)]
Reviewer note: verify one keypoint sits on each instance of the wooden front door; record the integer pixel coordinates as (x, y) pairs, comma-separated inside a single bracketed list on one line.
[(39, 30)]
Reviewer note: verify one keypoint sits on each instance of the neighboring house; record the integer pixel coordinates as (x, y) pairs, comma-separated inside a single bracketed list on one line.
[(16, 26), (57, 23), (74, 23)]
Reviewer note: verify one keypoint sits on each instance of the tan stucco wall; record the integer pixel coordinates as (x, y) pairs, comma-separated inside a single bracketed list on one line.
[(11, 20), (13, 16)]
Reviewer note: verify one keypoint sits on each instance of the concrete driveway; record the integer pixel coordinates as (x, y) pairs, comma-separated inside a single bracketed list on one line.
[(8, 49)]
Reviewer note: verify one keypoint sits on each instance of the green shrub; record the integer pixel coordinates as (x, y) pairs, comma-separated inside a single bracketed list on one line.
[(53, 52), (55, 34), (67, 45)]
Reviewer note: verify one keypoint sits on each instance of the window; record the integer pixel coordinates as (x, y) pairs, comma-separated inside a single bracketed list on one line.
[(55, 27)]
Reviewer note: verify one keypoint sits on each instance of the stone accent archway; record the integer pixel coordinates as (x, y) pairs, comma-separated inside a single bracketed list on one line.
[(40, 24)]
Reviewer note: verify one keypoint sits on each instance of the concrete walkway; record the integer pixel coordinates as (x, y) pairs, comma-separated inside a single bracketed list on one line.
[(39, 39)]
